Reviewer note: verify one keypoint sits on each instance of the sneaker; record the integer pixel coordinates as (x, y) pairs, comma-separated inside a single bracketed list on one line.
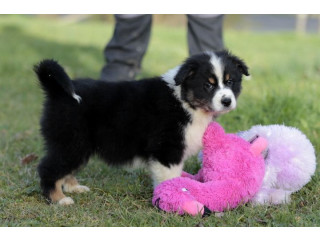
[(114, 72)]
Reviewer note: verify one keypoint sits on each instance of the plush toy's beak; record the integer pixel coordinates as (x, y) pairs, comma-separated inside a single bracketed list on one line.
[(258, 146)]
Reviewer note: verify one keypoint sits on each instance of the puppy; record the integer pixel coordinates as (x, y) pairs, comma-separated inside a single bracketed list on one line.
[(156, 122)]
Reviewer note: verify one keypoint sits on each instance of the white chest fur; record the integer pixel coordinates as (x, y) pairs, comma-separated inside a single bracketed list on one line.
[(194, 132)]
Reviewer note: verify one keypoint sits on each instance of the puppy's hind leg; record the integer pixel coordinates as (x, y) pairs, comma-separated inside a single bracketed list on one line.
[(54, 172), (56, 195), (51, 183), (71, 185)]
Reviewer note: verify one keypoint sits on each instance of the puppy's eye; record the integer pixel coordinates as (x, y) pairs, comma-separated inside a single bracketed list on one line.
[(208, 86), (229, 83)]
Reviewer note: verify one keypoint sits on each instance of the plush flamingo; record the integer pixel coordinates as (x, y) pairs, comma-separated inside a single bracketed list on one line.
[(231, 174)]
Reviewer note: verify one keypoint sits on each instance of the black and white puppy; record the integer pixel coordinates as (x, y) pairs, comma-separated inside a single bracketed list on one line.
[(156, 122)]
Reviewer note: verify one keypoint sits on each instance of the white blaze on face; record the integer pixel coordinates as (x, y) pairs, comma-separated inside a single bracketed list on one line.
[(218, 68), (222, 91)]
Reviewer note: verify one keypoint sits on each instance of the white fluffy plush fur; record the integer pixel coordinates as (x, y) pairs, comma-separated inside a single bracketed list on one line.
[(290, 162)]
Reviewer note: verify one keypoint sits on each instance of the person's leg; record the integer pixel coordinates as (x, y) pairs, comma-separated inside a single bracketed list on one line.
[(205, 33), (125, 50)]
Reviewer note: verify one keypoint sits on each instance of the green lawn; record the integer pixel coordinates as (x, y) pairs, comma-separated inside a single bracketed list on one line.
[(284, 88)]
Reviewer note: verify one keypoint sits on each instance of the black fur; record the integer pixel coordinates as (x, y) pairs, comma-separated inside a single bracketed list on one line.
[(117, 121), (53, 79), (121, 121)]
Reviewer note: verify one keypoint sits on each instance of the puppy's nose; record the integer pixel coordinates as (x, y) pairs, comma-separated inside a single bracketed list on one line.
[(226, 101)]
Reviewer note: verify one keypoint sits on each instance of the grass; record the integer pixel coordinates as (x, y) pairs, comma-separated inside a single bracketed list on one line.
[(284, 88)]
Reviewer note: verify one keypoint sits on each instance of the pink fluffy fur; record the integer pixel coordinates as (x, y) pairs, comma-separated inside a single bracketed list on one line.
[(232, 173)]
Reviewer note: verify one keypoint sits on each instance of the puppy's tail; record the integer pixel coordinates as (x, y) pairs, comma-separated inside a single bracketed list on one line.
[(54, 79)]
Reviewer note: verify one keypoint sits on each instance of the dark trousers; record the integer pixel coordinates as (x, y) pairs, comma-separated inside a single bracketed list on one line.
[(125, 50)]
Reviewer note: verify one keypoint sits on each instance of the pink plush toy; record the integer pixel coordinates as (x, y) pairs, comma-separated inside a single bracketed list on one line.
[(231, 174)]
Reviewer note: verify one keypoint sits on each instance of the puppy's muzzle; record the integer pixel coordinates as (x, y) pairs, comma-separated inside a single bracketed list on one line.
[(226, 101)]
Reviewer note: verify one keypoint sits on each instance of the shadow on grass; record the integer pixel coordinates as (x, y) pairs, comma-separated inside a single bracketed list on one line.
[(83, 61), (20, 46)]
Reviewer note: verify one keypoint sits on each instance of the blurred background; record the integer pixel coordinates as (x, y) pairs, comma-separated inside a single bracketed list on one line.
[(300, 23)]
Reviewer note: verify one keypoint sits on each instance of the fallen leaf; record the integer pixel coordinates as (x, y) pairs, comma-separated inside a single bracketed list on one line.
[(28, 158)]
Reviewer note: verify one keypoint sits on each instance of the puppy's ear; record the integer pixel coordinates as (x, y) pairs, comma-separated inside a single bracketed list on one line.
[(187, 70), (240, 64)]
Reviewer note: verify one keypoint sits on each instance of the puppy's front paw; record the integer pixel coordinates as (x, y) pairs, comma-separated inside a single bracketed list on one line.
[(66, 201)]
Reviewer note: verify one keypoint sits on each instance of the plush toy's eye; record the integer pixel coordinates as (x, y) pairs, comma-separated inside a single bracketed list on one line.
[(184, 190), (265, 154), (255, 137)]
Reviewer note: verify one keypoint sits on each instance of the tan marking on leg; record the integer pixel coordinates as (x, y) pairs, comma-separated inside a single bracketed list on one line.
[(70, 180), (57, 194), (71, 185)]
